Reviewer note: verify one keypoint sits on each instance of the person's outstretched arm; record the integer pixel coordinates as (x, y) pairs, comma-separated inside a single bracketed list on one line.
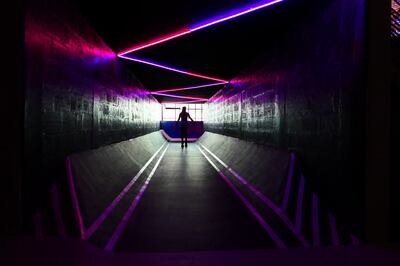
[(190, 117), (179, 118)]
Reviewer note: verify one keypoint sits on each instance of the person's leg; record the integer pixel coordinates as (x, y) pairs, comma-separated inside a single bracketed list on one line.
[(182, 135), (186, 136)]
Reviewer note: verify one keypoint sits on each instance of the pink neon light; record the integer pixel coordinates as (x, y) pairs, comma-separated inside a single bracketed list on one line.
[(156, 41), (188, 30), (191, 88), (180, 97), (183, 102), (172, 69)]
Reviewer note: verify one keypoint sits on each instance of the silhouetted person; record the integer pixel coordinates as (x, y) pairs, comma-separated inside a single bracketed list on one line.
[(183, 116)]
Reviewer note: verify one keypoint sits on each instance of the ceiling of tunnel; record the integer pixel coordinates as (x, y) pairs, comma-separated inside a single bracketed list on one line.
[(222, 50)]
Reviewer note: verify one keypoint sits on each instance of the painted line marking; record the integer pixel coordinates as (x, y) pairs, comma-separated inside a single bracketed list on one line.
[(125, 219), (251, 208), (96, 224), (289, 179), (263, 198)]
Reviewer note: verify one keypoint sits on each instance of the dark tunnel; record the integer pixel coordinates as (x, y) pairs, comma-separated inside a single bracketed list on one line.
[(200, 133)]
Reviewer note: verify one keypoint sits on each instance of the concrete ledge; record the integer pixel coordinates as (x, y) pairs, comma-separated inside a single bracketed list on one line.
[(99, 175), (51, 251)]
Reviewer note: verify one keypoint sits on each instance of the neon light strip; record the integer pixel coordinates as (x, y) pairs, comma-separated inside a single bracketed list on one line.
[(268, 229), (183, 102), (315, 220), (289, 178), (202, 25), (74, 197), (191, 88), (172, 69), (235, 15), (193, 28), (299, 208), (154, 42), (180, 97), (122, 224)]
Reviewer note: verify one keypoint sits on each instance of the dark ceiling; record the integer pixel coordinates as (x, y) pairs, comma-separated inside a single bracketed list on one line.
[(221, 51)]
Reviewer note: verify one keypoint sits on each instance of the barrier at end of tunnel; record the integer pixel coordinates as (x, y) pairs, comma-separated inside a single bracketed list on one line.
[(172, 129)]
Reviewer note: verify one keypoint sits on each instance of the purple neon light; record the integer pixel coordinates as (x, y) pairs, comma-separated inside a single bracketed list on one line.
[(184, 102), (209, 22), (249, 206), (122, 224), (74, 197), (285, 202), (315, 220), (263, 198), (195, 27), (233, 14), (192, 88), (172, 69), (179, 96), (299, 208)]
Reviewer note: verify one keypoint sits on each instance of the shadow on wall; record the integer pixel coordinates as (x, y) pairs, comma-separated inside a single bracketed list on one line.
[(306, 95), (78, 97)]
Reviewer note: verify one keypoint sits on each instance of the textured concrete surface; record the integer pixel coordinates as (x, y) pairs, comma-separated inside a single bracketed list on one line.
[(306, 94), (265, 167), (78, 97), (101, 174)]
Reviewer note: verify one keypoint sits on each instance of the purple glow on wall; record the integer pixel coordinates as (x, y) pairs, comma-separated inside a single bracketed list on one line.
[(78, 46)]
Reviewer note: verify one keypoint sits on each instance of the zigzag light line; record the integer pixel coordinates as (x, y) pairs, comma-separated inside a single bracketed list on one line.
[(187, 30)]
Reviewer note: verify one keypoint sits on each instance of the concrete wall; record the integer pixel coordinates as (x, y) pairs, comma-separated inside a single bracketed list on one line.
[(306, 95), (79, 96)]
